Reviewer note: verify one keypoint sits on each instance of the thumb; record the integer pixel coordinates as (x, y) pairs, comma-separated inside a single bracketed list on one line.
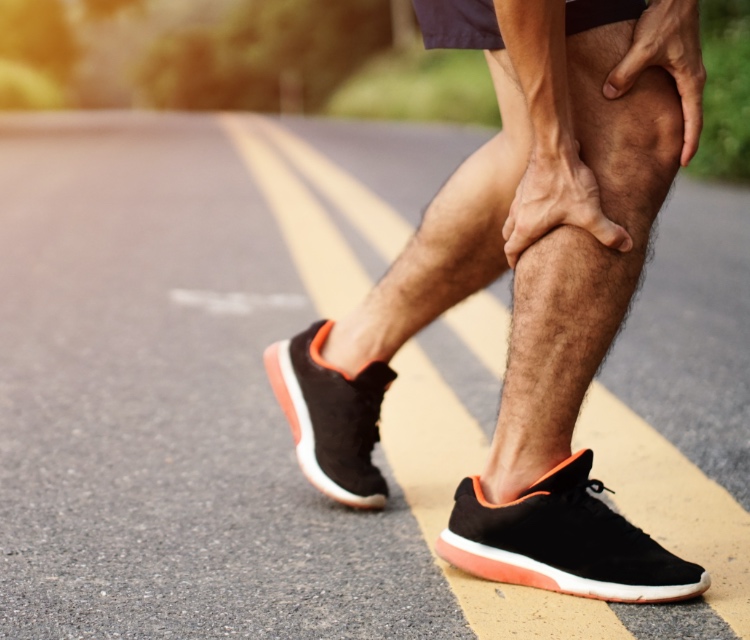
[(610, 234), (623, 76)]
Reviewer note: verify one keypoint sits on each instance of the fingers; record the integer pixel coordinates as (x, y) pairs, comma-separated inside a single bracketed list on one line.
[(509, 225), (690, 87), (689, 84), (509, 229), (518, 242), (519, 238), (623, 76), (610, 234)]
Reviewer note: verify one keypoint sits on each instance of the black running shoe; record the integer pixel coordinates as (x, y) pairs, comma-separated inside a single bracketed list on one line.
[(557, 536), (334, 418)]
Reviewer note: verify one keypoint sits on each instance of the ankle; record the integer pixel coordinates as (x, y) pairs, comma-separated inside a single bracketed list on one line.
[(504, 488), (351, 349), (505, 481)]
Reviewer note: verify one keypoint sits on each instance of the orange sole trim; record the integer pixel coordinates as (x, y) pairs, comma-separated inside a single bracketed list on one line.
[(281, 391), (278, 384), (492, 569), (496, 571)]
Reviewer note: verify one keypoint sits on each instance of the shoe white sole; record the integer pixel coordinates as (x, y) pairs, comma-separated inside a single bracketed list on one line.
[(503, 566), (285, 386)]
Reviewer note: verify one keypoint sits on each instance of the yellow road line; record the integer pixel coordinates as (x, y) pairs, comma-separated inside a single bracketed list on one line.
[(430, 440), (388, 233), (656, 485)]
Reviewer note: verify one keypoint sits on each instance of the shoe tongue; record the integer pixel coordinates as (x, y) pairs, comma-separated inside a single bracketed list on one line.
[(377, 375), (567, 475)]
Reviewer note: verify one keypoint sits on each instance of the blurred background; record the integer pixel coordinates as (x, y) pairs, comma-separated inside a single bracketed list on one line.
[(345, 58)]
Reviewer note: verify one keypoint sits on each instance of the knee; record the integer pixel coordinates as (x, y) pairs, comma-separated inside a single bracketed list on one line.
[(661, 131), (639, 160)]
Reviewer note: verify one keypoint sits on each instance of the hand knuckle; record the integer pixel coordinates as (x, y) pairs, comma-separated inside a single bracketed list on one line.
[(648, 48), (701, 75), (522, 229)]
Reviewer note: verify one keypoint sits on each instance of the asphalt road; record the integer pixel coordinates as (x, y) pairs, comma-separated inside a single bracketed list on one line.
[(147, 483)]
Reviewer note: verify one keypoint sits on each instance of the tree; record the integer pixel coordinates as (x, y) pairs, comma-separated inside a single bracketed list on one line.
[(23, 88), (183, 72), (98, 9), (718, 15), (319, 41), (37, 33)]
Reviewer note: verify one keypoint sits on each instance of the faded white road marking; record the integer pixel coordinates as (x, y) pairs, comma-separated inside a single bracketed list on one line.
[(235, 303)]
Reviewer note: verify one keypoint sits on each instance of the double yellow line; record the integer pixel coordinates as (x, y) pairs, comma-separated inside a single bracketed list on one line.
[(430, 439)]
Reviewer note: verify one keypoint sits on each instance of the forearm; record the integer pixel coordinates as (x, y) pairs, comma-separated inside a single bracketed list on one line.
[(558, 188), (534, 34)]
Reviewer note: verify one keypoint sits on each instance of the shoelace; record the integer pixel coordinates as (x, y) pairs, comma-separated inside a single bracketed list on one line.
[(597, 486), (579, 495)]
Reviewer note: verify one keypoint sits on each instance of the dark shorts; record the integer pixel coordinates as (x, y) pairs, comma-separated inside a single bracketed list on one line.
[(472, 24)]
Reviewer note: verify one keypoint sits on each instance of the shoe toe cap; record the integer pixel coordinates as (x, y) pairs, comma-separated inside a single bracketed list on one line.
[(653, 571)]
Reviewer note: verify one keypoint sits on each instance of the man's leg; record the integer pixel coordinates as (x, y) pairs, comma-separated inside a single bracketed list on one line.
[(457, 250), (330, 379), (531, 519), (570, 292)]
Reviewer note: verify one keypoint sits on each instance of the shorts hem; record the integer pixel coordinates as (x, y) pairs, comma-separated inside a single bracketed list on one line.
[(468, 41), (580, 15)]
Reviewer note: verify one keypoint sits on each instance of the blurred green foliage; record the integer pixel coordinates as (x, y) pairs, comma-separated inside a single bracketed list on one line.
[(725, 144), (22, 87), (718, 15), (452, 85), (239, 65), (319, 44), (184, 72), (447, 86)]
